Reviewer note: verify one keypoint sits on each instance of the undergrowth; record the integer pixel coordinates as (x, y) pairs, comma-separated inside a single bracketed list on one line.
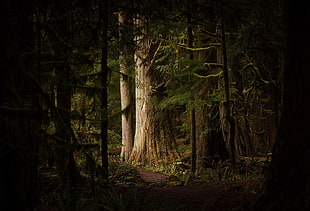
[(92, 194), (124, 190)]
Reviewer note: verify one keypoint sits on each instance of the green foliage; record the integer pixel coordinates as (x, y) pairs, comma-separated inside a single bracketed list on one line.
[(180, 177), (109, 198), (122, 173), (223, 170), (174, 101)]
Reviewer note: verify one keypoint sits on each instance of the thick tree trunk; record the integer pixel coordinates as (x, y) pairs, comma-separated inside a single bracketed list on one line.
[(125, 90), (151, 144), (288, 184), (144, 132)]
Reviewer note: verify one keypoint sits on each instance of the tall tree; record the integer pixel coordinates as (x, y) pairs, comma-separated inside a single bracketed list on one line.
[(230, 137), (288, 184), (19, 108), (153, 144), (144, 109), (190, 40), (65, 163), (125, 85), (104, 5)]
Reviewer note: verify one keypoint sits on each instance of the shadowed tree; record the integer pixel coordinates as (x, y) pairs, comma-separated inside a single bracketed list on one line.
[(288, 184), (66, 166), (104, 8), (19, 108)]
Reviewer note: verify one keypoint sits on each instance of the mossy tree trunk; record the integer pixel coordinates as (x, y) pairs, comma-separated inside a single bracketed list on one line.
[(227, 121), (211, 144), (193, 133)]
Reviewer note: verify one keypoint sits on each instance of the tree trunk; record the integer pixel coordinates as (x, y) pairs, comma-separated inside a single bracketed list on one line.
[(228, 122), (150, 143), (193, 141), (192, 110), (104, 91), (19, 110), (65, 162), (126, 106), (211, 145), (66, 167), (144, 139), (288, 184)]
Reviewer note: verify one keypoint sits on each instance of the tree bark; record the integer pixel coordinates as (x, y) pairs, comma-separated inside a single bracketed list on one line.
[(125, 90), (192, 110), (144, 132), (152, 145), (230, 136)]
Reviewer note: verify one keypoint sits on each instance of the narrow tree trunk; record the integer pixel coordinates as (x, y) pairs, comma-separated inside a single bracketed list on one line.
[(230, 136), (193, 141), (104, 91), (193, 110), (65, 162), (126, 106)]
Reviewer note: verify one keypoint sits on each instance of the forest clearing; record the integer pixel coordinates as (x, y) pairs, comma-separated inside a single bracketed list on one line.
[(154, 105)]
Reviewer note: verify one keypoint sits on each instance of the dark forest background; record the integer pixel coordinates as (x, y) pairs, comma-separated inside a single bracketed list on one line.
[(216, 90)]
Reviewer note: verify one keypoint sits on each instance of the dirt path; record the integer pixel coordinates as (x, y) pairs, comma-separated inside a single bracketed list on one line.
[(149, 176), (217, 196), (213, 196)]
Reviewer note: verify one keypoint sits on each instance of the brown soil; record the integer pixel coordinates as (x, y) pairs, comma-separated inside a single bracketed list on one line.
[(149, 176), (213, 196)]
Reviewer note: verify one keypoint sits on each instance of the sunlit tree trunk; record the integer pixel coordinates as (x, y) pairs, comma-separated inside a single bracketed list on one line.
[(150, 144), (144, 131), (125, 89)]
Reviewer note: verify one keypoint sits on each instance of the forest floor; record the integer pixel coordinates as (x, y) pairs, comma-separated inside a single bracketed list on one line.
[(137, 188), (159, 194)]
